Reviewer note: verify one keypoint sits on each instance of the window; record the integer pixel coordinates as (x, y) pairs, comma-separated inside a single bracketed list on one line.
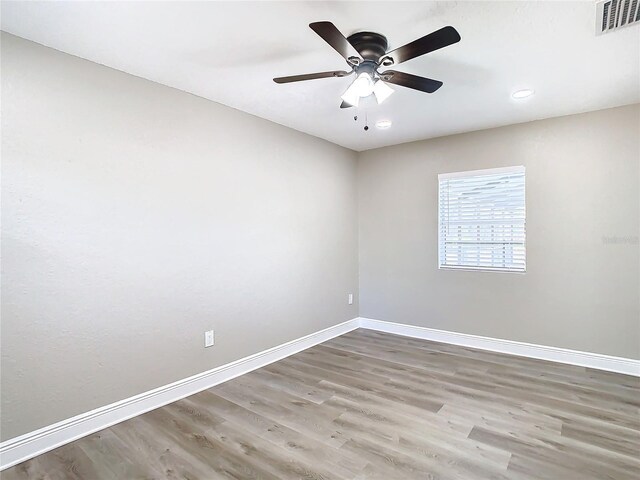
[(482, 220)]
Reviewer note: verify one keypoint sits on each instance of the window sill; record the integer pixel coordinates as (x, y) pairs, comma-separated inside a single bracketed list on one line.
[(481, 269)]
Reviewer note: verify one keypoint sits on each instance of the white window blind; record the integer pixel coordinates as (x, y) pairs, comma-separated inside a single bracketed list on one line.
[(482, 220)]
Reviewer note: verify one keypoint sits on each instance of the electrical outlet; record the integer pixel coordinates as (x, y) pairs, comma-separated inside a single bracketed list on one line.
[(351, 299), (208, 338)]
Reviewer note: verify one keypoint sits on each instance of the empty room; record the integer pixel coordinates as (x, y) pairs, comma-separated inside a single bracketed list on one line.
[(319, 240)]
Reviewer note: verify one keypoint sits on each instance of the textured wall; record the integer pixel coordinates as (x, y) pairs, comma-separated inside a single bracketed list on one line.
[(581, 289), (135, 217)]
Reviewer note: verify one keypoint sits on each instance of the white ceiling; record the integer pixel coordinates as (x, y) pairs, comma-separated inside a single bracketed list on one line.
[(229, 51)]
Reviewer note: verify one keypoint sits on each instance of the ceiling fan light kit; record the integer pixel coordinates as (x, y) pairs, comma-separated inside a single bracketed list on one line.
[(382, 91), (362, 86), (366, 53)]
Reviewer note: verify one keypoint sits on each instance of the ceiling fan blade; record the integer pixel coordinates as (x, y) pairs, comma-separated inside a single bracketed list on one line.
[(411, 81), (311, 76), (333, 37), (345, 105), (435, 40)]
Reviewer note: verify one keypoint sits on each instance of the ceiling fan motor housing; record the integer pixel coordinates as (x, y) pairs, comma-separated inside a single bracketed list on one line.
[(370, 45)]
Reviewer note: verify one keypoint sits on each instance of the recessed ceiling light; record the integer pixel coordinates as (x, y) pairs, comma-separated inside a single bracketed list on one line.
[(522, 93), (383, 124)]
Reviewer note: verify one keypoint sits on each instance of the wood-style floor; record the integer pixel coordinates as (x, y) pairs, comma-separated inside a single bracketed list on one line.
[(369, 405)]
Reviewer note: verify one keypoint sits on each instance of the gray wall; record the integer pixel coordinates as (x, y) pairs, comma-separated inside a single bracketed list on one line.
[(135, 217), (581, 289)]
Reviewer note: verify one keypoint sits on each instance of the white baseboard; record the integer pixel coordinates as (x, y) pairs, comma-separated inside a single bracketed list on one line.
[(627, 366), (31, 444)]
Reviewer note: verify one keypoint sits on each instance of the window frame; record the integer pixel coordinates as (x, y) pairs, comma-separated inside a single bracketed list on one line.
[(481, 172)]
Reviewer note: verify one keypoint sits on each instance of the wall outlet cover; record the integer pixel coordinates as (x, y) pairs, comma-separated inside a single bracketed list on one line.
[(208, 338)]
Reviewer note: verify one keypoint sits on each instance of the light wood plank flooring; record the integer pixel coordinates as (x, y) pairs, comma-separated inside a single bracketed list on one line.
[(369, 405)]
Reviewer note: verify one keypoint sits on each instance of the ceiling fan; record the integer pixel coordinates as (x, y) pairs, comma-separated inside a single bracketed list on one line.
[(366, 53)]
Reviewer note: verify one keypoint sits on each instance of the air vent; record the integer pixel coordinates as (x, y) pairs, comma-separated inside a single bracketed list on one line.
[(614, 14)]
